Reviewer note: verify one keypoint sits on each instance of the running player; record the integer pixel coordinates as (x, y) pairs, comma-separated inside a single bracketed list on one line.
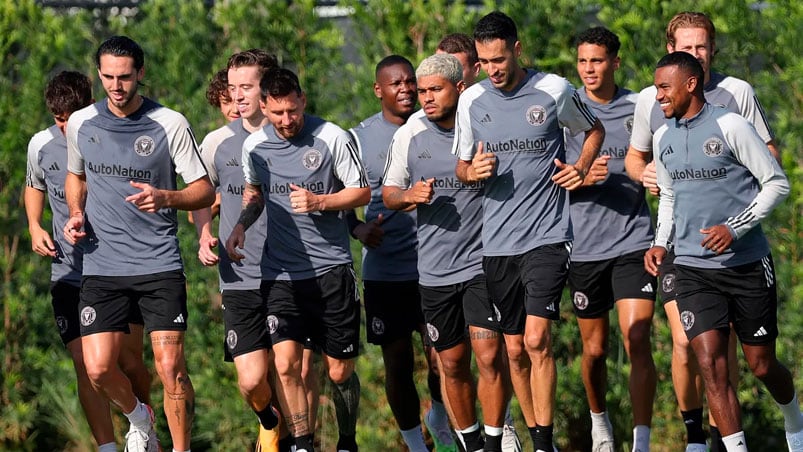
[(389, 273), (420, 174), (694, 33), (612, 231), (66, 93), (244, 312), (509, 131), (718, 180), (304, 171), (124, 153)]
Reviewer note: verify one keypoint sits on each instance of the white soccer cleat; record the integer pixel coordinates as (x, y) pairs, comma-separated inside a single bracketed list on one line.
[(604, 445), (510, 440), (137, 440), (696, 447), (795, 441)]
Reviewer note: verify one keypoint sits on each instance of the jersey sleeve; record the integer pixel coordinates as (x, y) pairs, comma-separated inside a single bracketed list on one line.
[(34, 175), (749, 149), (573, 113), (209, 148), (184, 150), (463, 144), (641, 135), (751, 109), (666, 201), (75, 161), (397, 173), (347, 165)]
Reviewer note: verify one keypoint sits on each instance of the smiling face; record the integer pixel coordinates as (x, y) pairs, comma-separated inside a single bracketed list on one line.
[(395, 87), (500, 62), (120, 80), (675, 91), (244, 90), (286, 114)]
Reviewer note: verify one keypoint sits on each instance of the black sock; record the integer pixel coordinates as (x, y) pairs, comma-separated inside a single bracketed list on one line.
[(347, 442), (346, 397), (473, 440), (493, 443), (716, 440), (285, 443), (267, 417), (693, 419), (304, 443), (542, 437)]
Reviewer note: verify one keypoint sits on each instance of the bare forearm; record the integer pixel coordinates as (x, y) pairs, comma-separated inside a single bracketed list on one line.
[(635, 163), (196, 195), (34, 206), (347, 198), (75, 193), (591, 146), (395, 199), (465, 172)]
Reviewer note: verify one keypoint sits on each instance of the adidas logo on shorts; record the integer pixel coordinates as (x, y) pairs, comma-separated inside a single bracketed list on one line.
[(761, 332), (647, 288), (179, 319)]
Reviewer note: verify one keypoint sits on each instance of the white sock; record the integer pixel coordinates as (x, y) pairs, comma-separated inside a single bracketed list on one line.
[(490, 430), (792, 418), (601, 428), (414, 438), (472, 428), (107, 447), (140, 417), (641, 438), (735, 442)]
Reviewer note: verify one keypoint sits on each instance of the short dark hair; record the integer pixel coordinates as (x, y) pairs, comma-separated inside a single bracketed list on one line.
[(121, 46), (686, 63), (496, 25), (601, 36), (392, 60), (459, 43), (67, 92), (279, 82), (263, 60), (218, 87)]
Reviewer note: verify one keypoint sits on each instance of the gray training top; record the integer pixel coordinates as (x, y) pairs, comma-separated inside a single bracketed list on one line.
[(522, 208), (222, 151), (150, 145), (734, 94), (449, 227), (715, 169), (47, 168), (610, 218), (395, 259), (322, 159)]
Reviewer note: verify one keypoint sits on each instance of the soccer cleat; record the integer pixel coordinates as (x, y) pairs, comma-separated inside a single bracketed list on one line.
[(510, 440), (696, 447), (444, 442), (268, 440), (604, 445), (137, 440), (795, 441)]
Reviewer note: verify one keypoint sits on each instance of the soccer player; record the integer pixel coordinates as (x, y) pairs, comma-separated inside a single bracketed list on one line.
[(461, 46), (123, 155), (509, 133), (691, 32), (420, 174), (718, 180), (612, 231), (244, 312), (304, 171), (66, 93), (217, 94), (390, 276)]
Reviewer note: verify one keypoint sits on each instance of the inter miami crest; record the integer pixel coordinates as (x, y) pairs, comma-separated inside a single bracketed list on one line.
[(144, 146)]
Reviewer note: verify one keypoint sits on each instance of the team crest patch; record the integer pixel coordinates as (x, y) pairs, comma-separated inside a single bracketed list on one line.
[(378, 326), (433, 332), (668, 282), (88, 316), (273, 324), (687, 320), (144, 146), (580, 300), (536, 115), (231, 339), (312, 159), (62, 323), (629, 125), (713, 147)]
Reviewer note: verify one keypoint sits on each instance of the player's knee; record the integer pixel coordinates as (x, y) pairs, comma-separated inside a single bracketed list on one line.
[(251, 384), (638, 340), (516, 356), (538, 343), (489, 360), (595, 351), (340, 371), (98, 373), (169, 367), (762, 366)]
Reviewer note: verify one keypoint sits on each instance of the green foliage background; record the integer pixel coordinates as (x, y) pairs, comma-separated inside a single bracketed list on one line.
[(187, 41)]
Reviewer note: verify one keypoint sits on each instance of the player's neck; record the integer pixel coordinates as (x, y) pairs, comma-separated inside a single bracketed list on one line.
[(603, 95), (394, 119), (255, 123), (128, 108)]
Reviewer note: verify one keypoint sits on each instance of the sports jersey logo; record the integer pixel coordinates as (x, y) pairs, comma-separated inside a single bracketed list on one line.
[(88, 316), (687, 320), (433, 332), (668, 282), (629, 125), (144, 146), (62, 323), (273, 324), (231, 339), (486, 119), (536, 115), (232, 162), (665, 152), (425, 154), (713, 147), (580, 300), (378, 326), (54, 167), (312, 159)]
